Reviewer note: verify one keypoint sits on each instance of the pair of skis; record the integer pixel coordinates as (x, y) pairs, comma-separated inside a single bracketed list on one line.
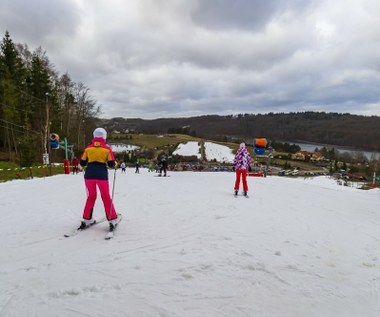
[(109, 235)]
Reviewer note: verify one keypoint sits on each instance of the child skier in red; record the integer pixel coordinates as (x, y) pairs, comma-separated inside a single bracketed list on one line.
[(97, 156), (75, 165), (242, 162)]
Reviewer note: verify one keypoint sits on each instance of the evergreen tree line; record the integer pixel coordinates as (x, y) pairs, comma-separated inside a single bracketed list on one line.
[(35, 101)]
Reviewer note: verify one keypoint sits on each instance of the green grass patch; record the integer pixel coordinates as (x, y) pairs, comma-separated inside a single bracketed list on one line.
[(6, 165), (9, 172)]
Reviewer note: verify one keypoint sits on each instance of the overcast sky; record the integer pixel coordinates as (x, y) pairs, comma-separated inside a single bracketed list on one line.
[(180, 58)]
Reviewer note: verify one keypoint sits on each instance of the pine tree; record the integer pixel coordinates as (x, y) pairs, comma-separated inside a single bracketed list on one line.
[(35, 100), (12, 75)]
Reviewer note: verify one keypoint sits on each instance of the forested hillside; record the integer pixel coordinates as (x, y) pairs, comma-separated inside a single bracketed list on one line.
[(35, 100), (316, 127)]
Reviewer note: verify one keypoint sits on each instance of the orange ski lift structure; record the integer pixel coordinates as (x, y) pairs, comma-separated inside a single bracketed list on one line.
[(259, 148), (259, 145)]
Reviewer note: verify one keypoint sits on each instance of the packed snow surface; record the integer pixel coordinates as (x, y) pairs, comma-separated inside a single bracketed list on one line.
[(218, 152), (120, 148), (213, 151), (188, 149), (187, 248)]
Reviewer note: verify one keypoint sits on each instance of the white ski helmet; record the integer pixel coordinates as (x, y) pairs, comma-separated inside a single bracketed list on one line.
[(100, 133)]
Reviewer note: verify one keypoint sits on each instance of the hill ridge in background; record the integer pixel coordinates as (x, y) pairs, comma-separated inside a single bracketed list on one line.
[(340, 129)]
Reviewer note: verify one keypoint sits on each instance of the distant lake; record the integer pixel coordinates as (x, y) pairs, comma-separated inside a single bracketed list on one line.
[(310, 147)]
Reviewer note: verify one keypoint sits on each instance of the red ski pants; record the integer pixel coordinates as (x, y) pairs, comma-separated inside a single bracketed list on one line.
[(240, 173), (103, 186)]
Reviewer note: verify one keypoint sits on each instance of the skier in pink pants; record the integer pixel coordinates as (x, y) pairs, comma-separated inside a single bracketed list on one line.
[(97, 157)]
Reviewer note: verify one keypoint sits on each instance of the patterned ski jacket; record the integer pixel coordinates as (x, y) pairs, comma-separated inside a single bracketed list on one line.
[(97, 156), (242, 159)]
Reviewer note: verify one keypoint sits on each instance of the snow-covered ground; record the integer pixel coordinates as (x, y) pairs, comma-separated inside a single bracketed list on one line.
[(119, 148), (214, 151), (188, 149), (218, 152), (187, 248)]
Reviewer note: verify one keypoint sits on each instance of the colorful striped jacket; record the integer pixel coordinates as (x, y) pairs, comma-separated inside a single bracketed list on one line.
[(97, 156), (242, 159)]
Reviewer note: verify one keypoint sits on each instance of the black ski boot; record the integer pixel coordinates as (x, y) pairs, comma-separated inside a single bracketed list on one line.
[(112, 227), (85, 224), (82, 226)]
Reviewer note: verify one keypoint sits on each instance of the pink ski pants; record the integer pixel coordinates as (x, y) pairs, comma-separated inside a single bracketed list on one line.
[(103, 186)]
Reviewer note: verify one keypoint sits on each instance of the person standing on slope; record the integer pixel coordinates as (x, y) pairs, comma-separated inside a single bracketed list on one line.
[(137, 166), (75, 165), (97, 156), (242, 162), (163, 164), (123, 166)]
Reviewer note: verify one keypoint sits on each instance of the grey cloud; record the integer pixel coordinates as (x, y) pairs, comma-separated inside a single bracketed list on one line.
[(34, 20), (251, 15), (154, 58)]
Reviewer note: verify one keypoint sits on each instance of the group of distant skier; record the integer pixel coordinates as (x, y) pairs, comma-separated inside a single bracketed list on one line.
[(161, 167), (98, 156)]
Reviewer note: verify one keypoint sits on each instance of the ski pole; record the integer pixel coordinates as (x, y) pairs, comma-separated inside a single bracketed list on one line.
[(84, 182), (113, 192), (113, 185)]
